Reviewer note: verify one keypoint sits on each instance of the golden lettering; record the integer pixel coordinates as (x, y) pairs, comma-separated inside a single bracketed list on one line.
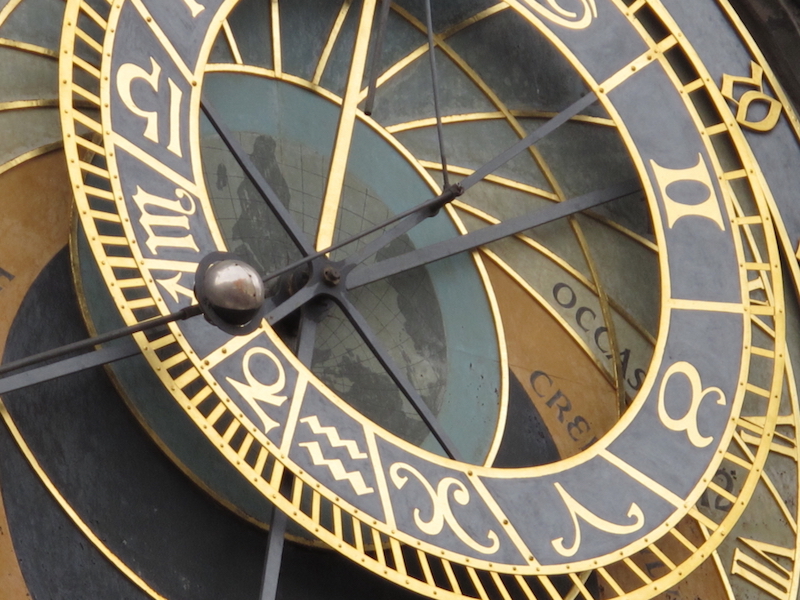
[(555, 13), (756, 80), (152, 220), (442, 512), (688, 422), (578, 510), (254, 391), (675, 209), (764, 572), (126, 76)]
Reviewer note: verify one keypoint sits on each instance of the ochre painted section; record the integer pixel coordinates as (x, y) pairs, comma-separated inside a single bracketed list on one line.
[(576, 402), (35, 201)]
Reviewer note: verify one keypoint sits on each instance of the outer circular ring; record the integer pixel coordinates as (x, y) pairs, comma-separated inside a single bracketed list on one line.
[(652, 397)]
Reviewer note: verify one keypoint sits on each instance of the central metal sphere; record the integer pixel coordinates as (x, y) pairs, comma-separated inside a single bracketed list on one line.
[(234, 290)]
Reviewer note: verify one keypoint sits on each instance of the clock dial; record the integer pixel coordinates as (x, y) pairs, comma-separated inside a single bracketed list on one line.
[(640, 343), (274, 420)]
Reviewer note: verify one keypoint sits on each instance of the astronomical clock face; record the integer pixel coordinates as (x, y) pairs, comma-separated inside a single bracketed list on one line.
[(530, 327)]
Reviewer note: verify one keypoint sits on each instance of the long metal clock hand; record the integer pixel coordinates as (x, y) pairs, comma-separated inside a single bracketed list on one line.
[(265, 191), (422, 256)]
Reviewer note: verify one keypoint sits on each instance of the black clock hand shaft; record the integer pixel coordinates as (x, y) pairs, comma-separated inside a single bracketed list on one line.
[(90, 343), (107, 354), (267, 193), (398, 376), (422, 256), (435, 86)]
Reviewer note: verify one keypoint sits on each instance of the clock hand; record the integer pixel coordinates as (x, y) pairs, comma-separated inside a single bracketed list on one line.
[(261, 185), (377, 52), (435, 86), (87, 344), (419, 213), (422, 256)]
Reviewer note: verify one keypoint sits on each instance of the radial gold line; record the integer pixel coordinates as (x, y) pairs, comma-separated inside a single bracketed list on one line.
[(635, 568), (186, 378), (526, 589), (173, 360), (86, 66), (21, 104), (643, 241), (645, 480), (8, 9), (245, 447), (790, 518), (605, 309), (504, 181), (36, 152), (331, 42), (702, 519), (200, 396), (378, 544), (164, 40), (423, 49), (636, 65), (275, 18), (473, 575), (516, 185), (705, 305), (70, 512), (451, 576), (89, 145), (226, 350), (229, 37), (611, 581), (130, 283), (723, 574), (344, 131), (578, 586), (562, 264), (294, 412), (26, 47), (500, 585), (89, 40), (661, 556), (380, 478), (494, 116), (93, 169), (502, 519), (93, 15)]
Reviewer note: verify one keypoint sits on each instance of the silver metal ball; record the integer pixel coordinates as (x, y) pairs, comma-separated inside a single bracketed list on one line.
[(234, 290)]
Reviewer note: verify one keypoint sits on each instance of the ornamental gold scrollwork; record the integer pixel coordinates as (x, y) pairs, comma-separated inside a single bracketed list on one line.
[(773, 107), (576, 509), (442, 512), (563, 17), (688, 422), (255, 391)]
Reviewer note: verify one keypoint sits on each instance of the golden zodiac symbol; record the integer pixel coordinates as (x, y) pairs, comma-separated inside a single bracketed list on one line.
[(756, 80), (441, 507), (336, 466), (563, 17), (577, 510), (255, 391), (688, 422)]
